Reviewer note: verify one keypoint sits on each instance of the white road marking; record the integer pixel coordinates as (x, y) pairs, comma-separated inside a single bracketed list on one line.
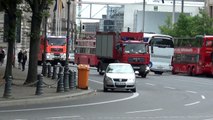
[(167, 87), (72, 106), (20, 119), (150, 84), (143, 111), (95, 81), (209, 119), (194, 103), (191, 92), (203, 97), (62, 117)]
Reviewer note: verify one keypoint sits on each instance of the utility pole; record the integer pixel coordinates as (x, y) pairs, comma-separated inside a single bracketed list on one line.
[(143, 23), (182, 6), (173, 13)]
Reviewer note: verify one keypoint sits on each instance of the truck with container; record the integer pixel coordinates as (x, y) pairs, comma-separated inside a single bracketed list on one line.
[(55, 50), (123, 47), (193, 56)]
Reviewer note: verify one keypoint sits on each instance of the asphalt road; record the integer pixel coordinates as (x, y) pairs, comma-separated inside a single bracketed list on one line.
[(158, 97)]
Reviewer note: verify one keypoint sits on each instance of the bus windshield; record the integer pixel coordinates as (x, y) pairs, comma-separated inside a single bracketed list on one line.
[(135, 48), (188, 42), (56, 41), (162, 42)]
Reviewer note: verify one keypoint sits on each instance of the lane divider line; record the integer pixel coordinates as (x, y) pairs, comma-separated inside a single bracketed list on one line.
[(144, 111), (150, 84), (191, 92), (194, 103), (172, 88), (95, 81), (61, 117), (203, 97)]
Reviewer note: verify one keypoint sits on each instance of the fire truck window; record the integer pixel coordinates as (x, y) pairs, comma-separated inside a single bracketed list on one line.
[(209, 44), (56, 41)]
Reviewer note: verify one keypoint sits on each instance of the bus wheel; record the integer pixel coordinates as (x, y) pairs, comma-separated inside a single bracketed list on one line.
[(193, 71), (189, 71), (173, 72)]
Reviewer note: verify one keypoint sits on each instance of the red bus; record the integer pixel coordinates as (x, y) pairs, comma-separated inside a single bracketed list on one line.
[(85, 50), (193, 55)]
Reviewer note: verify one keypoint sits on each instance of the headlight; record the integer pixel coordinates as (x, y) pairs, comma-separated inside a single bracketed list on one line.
[(131, 80), (63, 55), (108, 79), (147, 68)]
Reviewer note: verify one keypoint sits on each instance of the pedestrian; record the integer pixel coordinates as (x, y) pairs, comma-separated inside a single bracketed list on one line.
[(2, 56), (20, 54), (24, 60)]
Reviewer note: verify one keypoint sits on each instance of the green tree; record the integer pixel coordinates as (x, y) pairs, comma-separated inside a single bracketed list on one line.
[(189, 26), (168, 27), (38, 9), (10, 9)]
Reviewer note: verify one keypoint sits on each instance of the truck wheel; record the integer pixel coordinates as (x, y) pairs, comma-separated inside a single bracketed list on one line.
[(158, 72), (143, 75)]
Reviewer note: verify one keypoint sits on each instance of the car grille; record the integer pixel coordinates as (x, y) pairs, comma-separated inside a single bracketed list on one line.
[(120, 80), (56, 49), (136, 59)]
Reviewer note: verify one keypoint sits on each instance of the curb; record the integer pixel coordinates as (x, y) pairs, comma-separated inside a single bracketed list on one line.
[(49, 99)]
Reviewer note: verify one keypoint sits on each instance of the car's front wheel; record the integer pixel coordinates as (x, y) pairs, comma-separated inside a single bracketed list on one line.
[(105, 89), (133, 90)]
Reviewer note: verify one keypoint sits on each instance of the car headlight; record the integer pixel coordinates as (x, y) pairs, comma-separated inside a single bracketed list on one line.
[(131, 80)]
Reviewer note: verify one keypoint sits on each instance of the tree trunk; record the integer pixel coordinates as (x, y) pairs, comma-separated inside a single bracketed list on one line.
[(11, 39), (34, 48)]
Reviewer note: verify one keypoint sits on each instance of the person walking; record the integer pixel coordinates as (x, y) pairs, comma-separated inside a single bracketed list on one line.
[(20, 54), (24, 59), (2, 56)]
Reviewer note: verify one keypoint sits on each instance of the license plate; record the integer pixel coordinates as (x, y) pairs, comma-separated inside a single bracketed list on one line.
[(120, 83)]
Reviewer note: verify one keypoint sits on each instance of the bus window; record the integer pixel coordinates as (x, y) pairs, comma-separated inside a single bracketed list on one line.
[(162, 42)]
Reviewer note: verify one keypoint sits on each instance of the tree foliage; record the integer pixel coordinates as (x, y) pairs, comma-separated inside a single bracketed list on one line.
[(188, 26)]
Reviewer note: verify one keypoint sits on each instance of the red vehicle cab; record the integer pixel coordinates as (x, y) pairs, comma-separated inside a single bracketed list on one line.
[(55, 49)]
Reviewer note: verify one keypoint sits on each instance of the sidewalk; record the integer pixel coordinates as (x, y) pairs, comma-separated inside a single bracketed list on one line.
[(22, 95)]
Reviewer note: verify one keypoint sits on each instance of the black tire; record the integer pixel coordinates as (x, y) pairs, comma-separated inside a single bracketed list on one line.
[(158, 72), (105, 89), (133, 90), (143, 75)]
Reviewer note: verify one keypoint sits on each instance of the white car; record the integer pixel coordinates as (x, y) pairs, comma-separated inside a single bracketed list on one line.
[(119, 76)]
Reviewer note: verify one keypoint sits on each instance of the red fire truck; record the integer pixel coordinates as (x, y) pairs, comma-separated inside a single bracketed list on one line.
[(85, 50), (124, 47), (193, 55), (55, 49)]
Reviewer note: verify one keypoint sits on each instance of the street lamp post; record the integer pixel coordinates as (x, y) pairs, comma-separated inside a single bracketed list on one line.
[(44, 68), (66, 68), (68, 33)]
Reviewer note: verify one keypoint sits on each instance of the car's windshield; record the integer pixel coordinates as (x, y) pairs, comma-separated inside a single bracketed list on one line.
[(119, 69), (56, 41), (135, 48)]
